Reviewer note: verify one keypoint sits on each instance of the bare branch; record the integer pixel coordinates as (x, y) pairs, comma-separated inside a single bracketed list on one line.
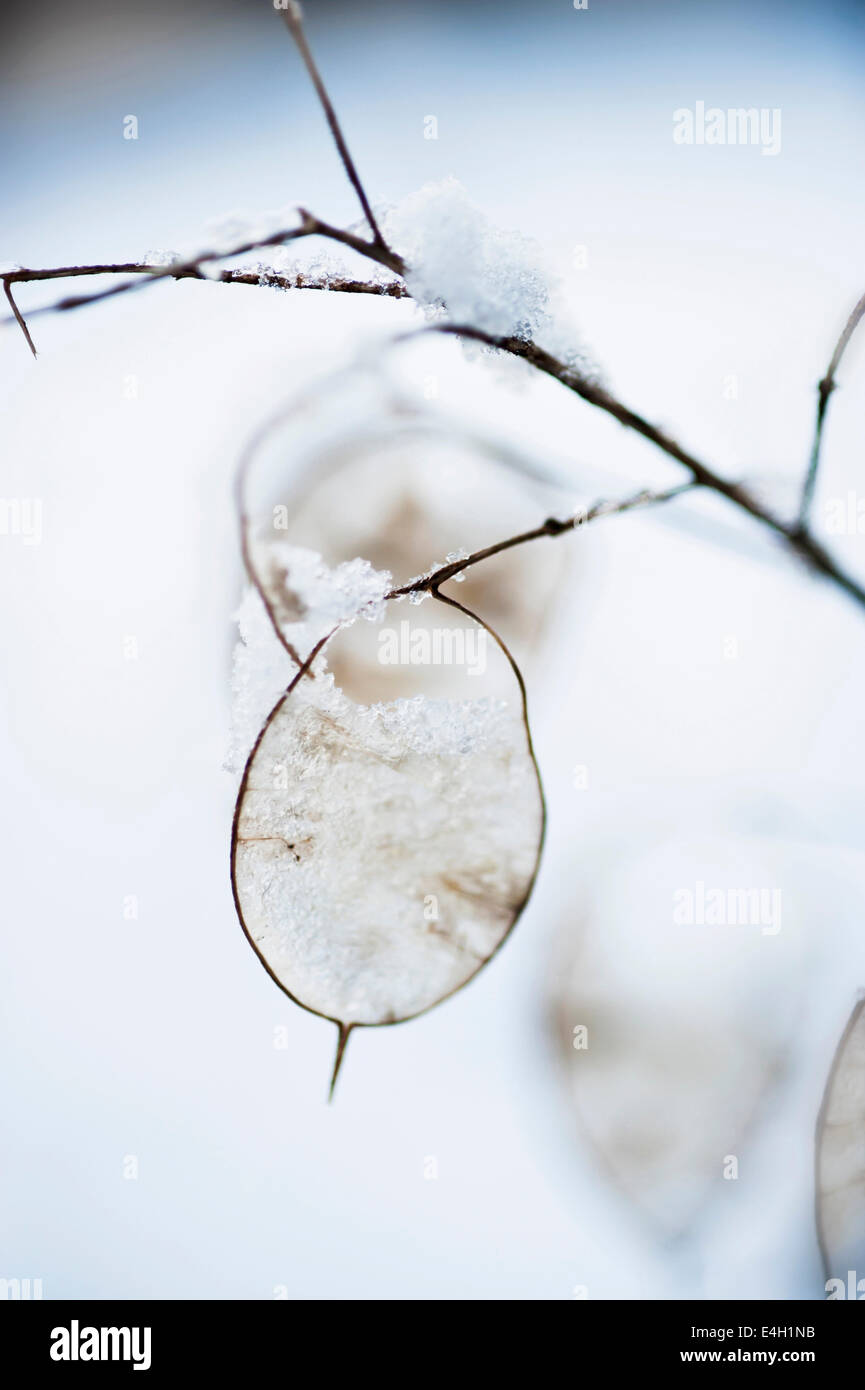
[(824, 391), (392, 289), (293, 17)]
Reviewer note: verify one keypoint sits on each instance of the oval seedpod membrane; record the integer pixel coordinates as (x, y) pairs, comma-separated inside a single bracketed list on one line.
[(841, 1160), (382, 853), (415, 494), (353, 468), (673, 1027)]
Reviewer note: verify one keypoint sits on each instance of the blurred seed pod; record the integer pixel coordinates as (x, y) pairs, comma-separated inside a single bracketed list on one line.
[(840, 1195), (674, 1000), (354, 469)]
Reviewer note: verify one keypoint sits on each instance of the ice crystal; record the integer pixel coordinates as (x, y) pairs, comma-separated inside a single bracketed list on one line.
[(261, 671), (162, 258), (452, 558), (308, 599)]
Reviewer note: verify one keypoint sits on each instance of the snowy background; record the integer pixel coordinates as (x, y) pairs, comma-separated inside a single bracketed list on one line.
[(153, 1036)]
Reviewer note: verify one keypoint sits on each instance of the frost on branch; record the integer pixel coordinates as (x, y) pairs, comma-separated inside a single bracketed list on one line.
[(841, 1157), (382, 852), (491, 279)]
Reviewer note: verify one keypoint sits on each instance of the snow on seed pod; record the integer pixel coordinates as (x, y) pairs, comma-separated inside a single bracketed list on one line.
[(381, 853)]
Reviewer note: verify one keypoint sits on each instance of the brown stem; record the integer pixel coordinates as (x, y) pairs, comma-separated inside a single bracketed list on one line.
[(340, 284), (824, 391), (551, 527), (191, 270), (294, 22)]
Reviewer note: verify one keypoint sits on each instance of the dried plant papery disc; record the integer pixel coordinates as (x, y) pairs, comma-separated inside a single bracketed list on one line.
[(382, 853), (413, 500), (404, 490), (688, 1024), (841, 1157)]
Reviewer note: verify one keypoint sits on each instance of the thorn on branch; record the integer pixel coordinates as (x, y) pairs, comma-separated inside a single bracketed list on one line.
[(19, 317)]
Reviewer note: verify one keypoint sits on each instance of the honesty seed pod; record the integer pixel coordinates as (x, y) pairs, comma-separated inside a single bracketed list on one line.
[(382, 853)]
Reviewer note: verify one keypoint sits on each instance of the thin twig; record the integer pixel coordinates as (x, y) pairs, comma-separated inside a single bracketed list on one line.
[(553, 526), (293, 17), (431, 583), (824, 391), (192, 269), (309, 225), (261, 279)]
